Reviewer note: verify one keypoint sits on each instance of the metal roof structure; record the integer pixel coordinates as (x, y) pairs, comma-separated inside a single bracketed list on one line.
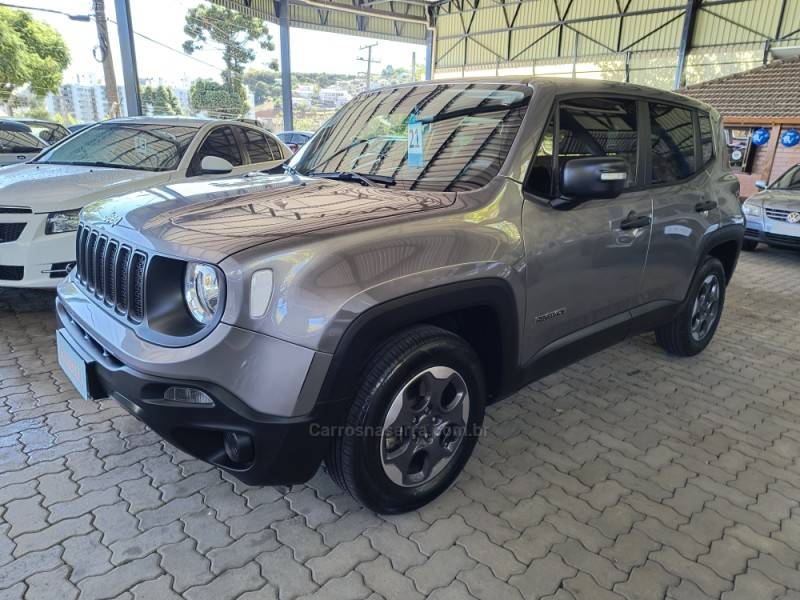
[(662, 43)]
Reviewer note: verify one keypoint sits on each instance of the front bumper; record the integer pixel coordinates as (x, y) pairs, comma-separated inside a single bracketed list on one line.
[(276, 449), (34, 259), (779, 234)]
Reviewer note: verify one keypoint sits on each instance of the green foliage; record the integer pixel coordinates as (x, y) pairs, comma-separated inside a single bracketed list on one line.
[(31, 52), (217, 99), (160, 101), (236, 33)]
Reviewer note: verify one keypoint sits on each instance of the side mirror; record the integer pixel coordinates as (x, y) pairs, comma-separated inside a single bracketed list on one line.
[(594, 177), (761, 184), (215, 165)]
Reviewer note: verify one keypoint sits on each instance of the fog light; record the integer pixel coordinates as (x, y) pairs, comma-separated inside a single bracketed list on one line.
[(239, 447), (187, 395)]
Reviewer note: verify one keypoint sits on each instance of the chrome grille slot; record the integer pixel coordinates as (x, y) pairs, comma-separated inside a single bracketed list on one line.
[(113, 272)]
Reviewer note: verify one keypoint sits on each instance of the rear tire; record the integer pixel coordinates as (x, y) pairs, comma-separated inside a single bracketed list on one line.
[(749, 245), (692, 329), (414, 421)]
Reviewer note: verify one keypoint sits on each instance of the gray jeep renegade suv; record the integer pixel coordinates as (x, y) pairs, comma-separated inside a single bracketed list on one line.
[(434, 247)]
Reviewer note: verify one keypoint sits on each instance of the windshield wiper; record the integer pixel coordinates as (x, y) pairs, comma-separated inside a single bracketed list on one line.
[(365, 178), (96, 163)]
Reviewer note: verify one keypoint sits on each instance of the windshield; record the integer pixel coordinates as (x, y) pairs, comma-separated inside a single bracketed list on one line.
[(789, 180), (19, 141), (141, 146), (445, 137)]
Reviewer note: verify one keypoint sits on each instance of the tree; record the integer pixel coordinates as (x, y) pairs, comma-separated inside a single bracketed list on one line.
[(160, 101), (216, 100), (32, 53), (236, 34), (264, 84)]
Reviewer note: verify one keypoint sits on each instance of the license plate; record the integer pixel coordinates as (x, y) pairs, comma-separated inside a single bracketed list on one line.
[(73, 365)]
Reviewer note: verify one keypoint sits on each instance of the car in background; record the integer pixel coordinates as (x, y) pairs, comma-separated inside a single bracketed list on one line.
[(18, 143), (295, 139), (49, 132), (40, 200), (773, 214)]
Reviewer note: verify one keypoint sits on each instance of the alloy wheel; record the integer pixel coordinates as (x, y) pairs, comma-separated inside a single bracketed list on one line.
[(706, 308), (424, 426)]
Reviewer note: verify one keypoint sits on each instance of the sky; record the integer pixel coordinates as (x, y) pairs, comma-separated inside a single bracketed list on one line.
[(163, 20)]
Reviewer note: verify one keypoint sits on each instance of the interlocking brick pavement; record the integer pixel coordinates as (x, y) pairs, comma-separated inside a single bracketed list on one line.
[(631, 475)]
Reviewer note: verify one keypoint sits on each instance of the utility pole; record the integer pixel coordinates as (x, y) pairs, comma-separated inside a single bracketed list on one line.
[(369, 60), (413, 66), (103, 55)]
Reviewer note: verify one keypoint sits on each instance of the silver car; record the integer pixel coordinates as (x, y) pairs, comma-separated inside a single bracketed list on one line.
[(433, 248), (773, 215)]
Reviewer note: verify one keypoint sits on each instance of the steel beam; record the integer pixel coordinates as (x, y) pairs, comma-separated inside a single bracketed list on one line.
[(686, 40), (286, 65), (130, 74), (428, 55)]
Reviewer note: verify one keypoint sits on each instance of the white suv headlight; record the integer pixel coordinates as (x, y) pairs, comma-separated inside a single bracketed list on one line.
[(202, 291), (62, 222)]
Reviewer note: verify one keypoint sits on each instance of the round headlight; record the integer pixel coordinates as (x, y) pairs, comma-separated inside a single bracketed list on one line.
[(202, 291)]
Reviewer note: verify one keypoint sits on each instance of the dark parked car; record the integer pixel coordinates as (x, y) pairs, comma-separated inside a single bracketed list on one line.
[(435, 247), (295, 139)]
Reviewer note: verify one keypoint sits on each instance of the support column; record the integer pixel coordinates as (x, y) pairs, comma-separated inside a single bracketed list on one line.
[(686, 41), (286, 65), (130, 73), (428, 55)]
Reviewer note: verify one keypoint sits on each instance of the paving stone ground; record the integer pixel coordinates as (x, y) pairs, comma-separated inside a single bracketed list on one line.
[(629, 475)]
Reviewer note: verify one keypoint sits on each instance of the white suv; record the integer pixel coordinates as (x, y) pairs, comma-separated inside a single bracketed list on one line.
[(40, 199)]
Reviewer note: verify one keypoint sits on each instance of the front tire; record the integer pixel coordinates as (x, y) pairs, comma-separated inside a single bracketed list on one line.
[(692, 329), (414, 421)]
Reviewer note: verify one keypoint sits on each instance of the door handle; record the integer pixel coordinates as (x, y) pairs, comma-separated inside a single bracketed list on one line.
[(634, 221), (705, 205)]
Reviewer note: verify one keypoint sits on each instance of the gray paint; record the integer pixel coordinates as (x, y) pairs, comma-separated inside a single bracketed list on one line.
[(337, 249)]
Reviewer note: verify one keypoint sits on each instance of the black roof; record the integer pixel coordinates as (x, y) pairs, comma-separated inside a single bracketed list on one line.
[(7, 125)]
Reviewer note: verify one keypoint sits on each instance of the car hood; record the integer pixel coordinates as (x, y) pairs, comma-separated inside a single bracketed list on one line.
[(47, 188), (213, 219), (780, 199)]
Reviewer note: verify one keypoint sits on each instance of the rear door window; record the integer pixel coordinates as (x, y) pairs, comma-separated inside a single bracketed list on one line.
[(257, 146), (222, 143), (672, 143)]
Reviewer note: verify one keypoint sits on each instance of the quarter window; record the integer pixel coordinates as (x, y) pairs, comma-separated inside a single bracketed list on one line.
[(275, 149), (671, 143), (706, 136)]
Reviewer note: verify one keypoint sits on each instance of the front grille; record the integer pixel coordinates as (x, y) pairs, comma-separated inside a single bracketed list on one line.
[(785, 240), (778, 214), (112, 271), (15, 210), (10, 232), (753, 232), (11, 273)]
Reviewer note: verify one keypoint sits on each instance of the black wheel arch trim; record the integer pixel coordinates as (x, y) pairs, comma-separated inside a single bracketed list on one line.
[(376, 323)]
